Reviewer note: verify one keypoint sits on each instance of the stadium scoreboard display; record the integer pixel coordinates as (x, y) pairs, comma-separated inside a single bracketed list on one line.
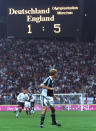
[(43, 21)]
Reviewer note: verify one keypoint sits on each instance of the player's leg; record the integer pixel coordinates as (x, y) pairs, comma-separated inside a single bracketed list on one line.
[(53, 114), (44, 106), (51, 104), (26, 107), (18, 112), (43, 116), (32, 107), (19, 109), (27, 110), (53, 117)]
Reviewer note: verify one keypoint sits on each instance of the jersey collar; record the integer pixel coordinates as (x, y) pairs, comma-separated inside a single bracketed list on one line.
[(51, 78)]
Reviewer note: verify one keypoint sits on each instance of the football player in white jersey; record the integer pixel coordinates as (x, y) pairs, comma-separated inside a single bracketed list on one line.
[(47, 97), (21, 101)]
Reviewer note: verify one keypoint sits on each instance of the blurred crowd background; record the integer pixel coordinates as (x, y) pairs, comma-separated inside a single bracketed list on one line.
[(24, 64)]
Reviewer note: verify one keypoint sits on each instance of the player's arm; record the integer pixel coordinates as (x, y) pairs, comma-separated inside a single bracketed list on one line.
[(55, 98), (46, 87), (19, 97)]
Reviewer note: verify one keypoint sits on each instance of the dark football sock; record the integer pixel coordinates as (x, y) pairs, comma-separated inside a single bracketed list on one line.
[(42, 119), (27, 112), (30, 111), (53, 118)]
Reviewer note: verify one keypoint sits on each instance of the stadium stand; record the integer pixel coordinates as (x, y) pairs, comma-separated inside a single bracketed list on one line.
[(24, 63)]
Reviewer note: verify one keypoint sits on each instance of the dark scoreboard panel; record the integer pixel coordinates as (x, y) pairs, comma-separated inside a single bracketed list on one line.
[(42, 21)]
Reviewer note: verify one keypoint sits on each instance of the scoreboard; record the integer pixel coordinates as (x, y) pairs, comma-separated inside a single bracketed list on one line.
[(44, 21)]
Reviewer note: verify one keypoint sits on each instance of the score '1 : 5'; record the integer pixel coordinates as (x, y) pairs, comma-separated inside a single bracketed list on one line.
[(57, 28)]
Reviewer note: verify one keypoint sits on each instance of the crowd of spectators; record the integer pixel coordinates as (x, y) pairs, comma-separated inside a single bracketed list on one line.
[(25, 63)]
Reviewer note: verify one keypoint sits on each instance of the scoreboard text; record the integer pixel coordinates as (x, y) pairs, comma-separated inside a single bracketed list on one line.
[(37, 22)]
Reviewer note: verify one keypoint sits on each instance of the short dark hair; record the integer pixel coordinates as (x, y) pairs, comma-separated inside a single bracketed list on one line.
[(52, 72)]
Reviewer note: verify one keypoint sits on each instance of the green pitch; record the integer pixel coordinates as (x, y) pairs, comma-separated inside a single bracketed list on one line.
[(71, 121)]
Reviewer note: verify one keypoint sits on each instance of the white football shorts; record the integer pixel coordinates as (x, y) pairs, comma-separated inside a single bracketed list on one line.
[(47, 101), (27, 104)]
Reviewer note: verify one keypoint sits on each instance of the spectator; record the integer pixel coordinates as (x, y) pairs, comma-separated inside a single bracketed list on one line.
[(24, 63)]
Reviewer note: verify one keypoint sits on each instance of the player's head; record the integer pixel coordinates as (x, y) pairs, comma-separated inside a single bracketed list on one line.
[(25, 92), (53, 73)]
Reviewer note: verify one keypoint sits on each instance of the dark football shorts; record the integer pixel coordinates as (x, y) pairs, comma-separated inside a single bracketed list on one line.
[(32, 104), (21, 104)]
